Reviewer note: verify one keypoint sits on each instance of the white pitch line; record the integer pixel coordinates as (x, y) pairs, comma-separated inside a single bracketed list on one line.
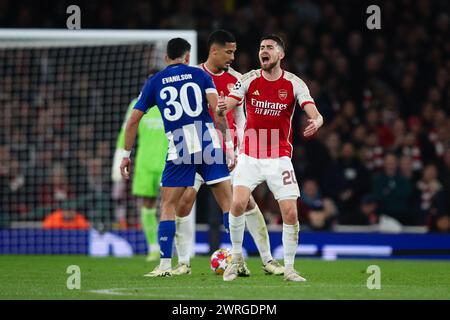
[(119, 292), (125, 291)]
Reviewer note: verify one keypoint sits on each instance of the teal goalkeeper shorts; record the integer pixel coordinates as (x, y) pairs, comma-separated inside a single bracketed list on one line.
[(146, 182)]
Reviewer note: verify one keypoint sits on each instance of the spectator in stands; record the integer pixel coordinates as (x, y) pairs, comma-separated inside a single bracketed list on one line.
[(439, 138), (347, 119), (11, 187), (393, 192), (347, 182), (321, 215), (444, 174), (310, 195), (439, 212), (18, 197), (367, 214), (410, 147), (406, 168), (430, 193), (359, 136), (57, 188), (333, 144), (96, 201), (440, 223), (373, 153), (398, 132), (310, 192), (96, 176), (422, 147)]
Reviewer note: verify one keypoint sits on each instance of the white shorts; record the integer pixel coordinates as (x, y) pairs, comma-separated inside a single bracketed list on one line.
[(278, 173), (199, 180)]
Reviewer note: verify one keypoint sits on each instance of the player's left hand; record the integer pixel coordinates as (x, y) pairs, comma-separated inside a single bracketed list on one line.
[(313, 126), (221, 106)]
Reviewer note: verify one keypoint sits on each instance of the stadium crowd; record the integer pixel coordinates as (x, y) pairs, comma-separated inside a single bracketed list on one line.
[(385, 96)]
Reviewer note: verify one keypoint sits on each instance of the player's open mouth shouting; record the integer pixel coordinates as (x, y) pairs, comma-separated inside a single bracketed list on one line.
[(265, 59)]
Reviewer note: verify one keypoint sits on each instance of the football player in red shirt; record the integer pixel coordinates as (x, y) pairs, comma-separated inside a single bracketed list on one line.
[(271, 95), (221, 48)]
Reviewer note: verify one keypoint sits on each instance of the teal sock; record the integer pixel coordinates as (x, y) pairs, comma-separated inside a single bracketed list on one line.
[(150, 227)]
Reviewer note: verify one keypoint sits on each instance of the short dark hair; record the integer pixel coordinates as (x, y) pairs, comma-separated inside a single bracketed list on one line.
[(220, 37), (275, 38), (177, 47)]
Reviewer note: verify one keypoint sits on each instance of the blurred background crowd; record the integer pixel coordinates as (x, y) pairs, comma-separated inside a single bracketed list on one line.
[(383, 153)]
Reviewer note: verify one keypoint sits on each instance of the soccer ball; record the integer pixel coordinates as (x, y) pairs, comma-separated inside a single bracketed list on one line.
[(220, 260)]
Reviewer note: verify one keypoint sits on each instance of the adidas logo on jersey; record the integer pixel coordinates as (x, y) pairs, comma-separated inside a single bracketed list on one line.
[(256, 93)]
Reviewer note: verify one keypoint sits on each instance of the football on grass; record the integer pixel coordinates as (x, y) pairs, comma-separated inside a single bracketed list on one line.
[(220, 260)]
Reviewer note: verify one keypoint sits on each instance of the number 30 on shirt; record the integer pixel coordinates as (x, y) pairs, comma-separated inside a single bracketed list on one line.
[(182, 104)]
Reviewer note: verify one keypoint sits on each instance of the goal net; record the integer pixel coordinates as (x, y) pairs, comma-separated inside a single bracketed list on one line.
[(64, 95)]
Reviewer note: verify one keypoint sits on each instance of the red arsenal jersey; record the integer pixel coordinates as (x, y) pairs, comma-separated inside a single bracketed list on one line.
[(270, 108), (224, 82)]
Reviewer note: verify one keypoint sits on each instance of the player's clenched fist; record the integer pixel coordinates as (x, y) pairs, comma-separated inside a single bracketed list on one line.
[(221, 106), (125, 166)]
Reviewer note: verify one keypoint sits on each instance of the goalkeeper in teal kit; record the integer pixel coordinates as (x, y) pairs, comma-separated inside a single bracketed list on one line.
[(150, 161)]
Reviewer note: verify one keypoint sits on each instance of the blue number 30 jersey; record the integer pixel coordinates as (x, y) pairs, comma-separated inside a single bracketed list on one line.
[(180, 91)]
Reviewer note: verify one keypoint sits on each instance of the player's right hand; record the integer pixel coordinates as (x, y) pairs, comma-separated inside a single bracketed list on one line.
[(125, 167)]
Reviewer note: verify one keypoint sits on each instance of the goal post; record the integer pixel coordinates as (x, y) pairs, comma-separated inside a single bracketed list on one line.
[(64, 96), (62, 37)]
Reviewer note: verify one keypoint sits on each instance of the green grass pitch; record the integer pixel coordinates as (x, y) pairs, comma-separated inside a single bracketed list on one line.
[(45, 277)]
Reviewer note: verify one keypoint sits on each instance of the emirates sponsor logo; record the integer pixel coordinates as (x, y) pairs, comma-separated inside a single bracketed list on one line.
[(269, 105), (282, 94)]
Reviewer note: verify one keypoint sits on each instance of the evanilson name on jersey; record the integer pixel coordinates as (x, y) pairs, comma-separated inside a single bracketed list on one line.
[(176, 78)]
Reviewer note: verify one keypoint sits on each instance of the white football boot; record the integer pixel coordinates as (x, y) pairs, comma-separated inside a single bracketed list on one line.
[(273, 267), (293, 276), (181, 269), (232, 271), (157, 272)]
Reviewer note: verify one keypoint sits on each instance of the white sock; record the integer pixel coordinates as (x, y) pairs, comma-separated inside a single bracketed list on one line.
[(183, 238), (165, 263), (290, 243), (257, 227), (237, 226), (153, 248)]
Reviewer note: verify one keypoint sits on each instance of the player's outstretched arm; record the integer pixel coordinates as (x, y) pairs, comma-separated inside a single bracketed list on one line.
[(130, 137), (315, 120)]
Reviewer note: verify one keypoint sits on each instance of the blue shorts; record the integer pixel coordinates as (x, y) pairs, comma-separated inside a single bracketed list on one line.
[(183, 175)]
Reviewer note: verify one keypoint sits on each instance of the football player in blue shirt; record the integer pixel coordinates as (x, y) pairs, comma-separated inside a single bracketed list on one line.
[(183, 95)]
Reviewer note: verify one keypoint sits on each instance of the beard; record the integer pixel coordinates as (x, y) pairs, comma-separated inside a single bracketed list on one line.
[(269, 66)]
